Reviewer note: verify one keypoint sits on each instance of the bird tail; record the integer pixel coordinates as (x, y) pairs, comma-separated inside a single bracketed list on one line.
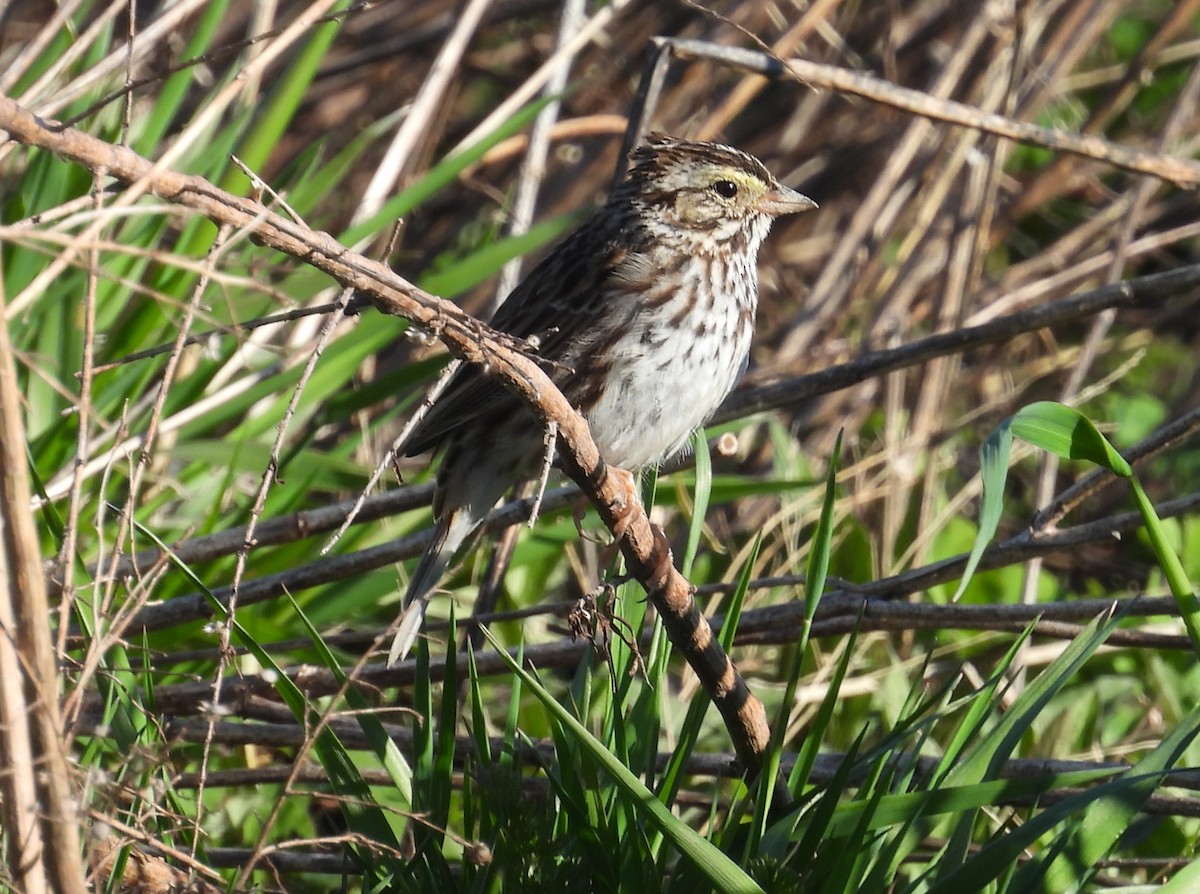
[(452, 530)]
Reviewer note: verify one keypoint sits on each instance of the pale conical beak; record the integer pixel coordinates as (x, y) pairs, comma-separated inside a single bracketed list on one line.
[(782, 200)]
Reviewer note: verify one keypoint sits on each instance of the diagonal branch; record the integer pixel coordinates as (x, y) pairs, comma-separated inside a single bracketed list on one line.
[(645, 548)]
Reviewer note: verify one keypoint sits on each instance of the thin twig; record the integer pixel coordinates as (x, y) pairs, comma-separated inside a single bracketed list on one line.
[(392, 453), (65, 564), (549, 445), (286, 316)]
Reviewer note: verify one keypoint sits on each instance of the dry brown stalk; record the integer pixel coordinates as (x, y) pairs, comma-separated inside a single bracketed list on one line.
[(41, 824)]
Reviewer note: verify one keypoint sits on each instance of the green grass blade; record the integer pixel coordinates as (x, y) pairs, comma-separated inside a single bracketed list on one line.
[(818, 557), (722, 872), (385, 748), (1107, 818), (440, 176), (1066, 432), (814, 587), (1185, 881), (151, 126), (465, 273), (1001, 853), (814, 828), (1177, 579), (806, 757), (995, 747), (362, 814), (290, 89), (954, 799), (688, 734), (993, 470)]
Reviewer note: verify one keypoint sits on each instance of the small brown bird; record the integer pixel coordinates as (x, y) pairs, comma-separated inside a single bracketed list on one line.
[(644, 314)]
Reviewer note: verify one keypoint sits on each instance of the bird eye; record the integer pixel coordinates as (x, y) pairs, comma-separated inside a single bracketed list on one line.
[(726, 189)]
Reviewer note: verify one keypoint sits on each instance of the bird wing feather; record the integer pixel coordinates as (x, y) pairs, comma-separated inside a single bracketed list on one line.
[(561, 288)]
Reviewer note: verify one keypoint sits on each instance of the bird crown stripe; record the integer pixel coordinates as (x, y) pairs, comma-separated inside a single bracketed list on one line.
[(657, 153)]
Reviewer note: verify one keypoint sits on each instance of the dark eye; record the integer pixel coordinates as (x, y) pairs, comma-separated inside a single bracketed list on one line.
[(726, 189)]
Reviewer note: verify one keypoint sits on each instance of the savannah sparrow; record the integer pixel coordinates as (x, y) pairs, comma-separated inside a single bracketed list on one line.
[(644, 317)]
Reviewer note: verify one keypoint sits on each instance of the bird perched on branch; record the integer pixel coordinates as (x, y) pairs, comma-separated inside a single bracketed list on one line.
[(643, 316)]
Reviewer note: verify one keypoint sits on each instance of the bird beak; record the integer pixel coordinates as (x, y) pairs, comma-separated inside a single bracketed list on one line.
[(781, 200)]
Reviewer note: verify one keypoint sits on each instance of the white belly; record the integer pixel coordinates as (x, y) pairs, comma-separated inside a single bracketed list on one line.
[(672, 368)]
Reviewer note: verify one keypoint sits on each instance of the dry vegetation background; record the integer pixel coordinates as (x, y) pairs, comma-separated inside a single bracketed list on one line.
[(924, 227)]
